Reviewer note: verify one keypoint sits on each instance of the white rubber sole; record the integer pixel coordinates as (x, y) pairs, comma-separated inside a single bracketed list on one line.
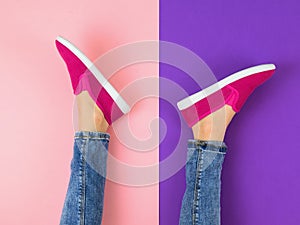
[(193, 99), (121, 103)]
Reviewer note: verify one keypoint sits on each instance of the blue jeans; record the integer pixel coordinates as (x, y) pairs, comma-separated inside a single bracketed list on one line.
[(201, 200), (84, 199)]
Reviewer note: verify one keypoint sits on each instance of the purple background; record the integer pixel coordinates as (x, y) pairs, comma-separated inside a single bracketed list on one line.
[(260, 180)]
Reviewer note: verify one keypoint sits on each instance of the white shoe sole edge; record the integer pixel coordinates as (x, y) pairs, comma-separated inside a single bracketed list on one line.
[(193, 99), (98, 75)]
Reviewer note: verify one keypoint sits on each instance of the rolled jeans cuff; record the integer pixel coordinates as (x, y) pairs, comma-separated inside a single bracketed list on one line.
[(91, 135), (215, 146)]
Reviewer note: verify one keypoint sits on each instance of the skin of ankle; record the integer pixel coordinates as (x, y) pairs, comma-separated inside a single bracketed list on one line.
[(210, 130), (90, 117), (213, 127), (100, 121)]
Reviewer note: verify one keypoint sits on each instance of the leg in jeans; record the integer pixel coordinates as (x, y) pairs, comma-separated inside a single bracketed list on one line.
[(201, 201), (209, 113), (205, 156), (84, 199)]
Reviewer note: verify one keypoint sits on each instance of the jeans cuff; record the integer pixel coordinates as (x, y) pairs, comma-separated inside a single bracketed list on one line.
[(91, 135), (217, 146)]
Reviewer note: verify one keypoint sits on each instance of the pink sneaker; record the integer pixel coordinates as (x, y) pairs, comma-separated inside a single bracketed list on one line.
[(85, 76), (232, 90)]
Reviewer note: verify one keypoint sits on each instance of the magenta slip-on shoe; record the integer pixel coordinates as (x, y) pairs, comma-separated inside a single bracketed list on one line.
[(86, 77), (232, 90)]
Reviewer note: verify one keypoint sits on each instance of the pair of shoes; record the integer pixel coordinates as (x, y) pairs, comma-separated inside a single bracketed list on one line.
[(232, 90)]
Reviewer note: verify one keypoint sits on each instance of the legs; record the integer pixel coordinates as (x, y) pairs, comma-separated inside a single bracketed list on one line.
[(99, 104), (209, 113), (205, 156), (201, 201), (84, 199)]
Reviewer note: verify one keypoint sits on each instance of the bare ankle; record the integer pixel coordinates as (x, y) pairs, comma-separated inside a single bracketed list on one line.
[(201, 130), (100, 121), (213, 126), (90, 117)]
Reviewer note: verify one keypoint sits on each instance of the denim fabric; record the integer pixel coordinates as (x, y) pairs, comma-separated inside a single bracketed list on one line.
[(201, 200), (84, 199)]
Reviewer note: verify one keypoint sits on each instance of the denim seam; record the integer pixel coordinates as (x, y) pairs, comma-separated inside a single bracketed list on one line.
[(200, 176), (195, 187), (82, 184), (197, 181)]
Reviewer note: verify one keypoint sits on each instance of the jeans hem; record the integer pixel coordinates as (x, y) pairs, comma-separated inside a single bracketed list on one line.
[(214, 146), (91, 135)]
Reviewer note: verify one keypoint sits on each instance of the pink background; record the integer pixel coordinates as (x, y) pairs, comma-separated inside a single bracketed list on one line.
[(37, 106)]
